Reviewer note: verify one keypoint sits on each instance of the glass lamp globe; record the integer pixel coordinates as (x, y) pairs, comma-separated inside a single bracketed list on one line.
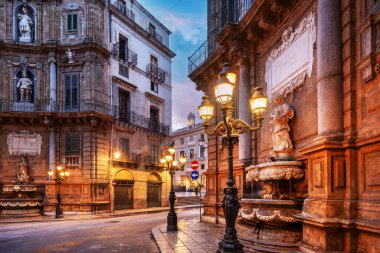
[(223, 90), (258, 102), (206, 109)]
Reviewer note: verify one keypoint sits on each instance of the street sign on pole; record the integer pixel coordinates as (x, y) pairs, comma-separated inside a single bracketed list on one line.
[(114, 183), (194, 175), (194, 165)]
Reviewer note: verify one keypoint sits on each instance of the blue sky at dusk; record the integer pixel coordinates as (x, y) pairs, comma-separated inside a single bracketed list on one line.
[(187, 21)]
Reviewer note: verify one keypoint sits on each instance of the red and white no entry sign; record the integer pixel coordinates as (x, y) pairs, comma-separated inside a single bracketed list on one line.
[(114, 183), (194, 165)]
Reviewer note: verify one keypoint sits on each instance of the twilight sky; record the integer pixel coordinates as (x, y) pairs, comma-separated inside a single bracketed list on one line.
[(187, 21)]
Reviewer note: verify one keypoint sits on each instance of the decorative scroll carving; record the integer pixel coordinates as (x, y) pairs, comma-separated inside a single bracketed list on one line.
[(288, 65), (19, 188), (275, 171), (276, 215), (20, 204), (24, 143)]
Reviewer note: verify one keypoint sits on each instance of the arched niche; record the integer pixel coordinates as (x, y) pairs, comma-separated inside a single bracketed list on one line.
[(154, 178), (25, 21), (24, 86)]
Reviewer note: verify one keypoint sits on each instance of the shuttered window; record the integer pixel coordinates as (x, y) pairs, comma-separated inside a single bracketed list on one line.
[(71, 92), (124, 147), (72, 22), (72, 144)]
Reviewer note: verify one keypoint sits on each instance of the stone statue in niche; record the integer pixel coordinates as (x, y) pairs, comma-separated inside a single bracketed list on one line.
[(279, 118), (25, 87), (70, 56), (22, 171), (25, 25)]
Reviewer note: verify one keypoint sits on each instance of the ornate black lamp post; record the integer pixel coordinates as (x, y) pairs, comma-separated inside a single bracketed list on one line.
[(230, 129), (172, 166), (60, 176)]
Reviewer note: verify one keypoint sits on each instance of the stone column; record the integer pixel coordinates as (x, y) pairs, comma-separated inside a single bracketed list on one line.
[(329, 69), (244, 110), (52, 149), (53, 80)]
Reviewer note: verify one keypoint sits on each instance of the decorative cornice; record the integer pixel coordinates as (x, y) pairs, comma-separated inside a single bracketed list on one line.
[(124, 83), (154, 98)]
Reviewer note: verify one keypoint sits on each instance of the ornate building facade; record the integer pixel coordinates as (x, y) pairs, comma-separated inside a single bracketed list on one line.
[(58, 108), (308, 177), (186, 143)]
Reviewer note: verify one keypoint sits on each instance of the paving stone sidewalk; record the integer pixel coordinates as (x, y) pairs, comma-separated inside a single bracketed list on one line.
[(192, 236)]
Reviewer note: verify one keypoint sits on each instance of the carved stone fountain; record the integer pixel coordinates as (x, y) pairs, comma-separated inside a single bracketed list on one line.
[(268, 220), (21, 196)]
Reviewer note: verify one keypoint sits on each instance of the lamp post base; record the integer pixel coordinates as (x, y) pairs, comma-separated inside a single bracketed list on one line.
[(230, 247), (172, 222), (58, 213)]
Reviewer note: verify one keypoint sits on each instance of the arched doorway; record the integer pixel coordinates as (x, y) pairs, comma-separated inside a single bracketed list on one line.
[(154, 190), (123, 196)]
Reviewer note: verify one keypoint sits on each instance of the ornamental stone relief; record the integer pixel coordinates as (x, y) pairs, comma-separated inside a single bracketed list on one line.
[(24, 143), (288, 65)]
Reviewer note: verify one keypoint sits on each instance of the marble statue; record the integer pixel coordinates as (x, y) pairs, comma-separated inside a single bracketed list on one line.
[(25, 86), (25, 25), (70, 56), (280, 129), (22, 171)]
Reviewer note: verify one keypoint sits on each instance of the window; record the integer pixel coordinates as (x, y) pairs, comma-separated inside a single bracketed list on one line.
[(71, 92), (191, 138), (202, 166), (152, 29), (154, 86), (153, 153), (154, 119), (182, 141), (202, 137), (72, 22), (192, 153), (153, 60), (72, 144), (124, 148), (123, 48), (123, 70), (124, 105), (182, 153), (201, 152)]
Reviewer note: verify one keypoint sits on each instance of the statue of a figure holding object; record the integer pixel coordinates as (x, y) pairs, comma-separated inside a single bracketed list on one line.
[(25, 25)]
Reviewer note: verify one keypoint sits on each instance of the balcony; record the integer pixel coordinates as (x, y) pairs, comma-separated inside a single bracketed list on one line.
[(154, 34), (131, 160), (87, 105), (122, 7), (136, 120), (155, 73), (232, 12), (130, 57), (152, 163)]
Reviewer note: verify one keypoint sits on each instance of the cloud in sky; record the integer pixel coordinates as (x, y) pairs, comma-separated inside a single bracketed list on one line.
[(187, 21)]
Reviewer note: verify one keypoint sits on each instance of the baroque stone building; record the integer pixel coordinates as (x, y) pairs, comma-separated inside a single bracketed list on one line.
[(309, 176), (57, 108)]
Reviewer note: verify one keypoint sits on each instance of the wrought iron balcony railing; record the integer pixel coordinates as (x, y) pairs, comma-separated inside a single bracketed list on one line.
[(129, 58), (154, 34), (231, 12), (87, 105), (155, 73), (122, 6), (141, 121)]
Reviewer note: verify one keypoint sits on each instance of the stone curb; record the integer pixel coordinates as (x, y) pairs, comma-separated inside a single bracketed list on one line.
[(89, 217)]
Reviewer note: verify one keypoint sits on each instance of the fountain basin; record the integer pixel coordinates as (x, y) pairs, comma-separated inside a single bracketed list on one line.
[(275, 171)]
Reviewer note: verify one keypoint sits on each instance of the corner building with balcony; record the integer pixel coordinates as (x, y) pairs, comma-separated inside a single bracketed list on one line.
[(62, 104), (141, 89), (318, 63)]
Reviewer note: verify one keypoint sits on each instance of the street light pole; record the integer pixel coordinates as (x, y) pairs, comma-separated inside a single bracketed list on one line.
[(230, 129), (171, 166), (60, 176)]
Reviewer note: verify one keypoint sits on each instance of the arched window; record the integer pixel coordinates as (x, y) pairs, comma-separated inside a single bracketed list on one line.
[(24, 86), (25, 23)]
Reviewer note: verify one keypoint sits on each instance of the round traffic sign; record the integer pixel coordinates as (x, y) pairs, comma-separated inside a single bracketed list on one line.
[(194, 175), (114, 183), (194, 165)]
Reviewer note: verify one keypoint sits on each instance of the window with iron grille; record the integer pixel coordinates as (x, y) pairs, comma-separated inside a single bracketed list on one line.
[(154, 153), (201, 152), (192, 153)]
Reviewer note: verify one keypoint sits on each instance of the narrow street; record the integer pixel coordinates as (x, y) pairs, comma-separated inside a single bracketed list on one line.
[(116, 234)]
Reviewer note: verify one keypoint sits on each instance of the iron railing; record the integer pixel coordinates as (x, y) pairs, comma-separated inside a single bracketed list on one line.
[(130, 57), (122, 7), (155, 73), (141, 121), (88, 105), (154, 34), (231, 12)]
